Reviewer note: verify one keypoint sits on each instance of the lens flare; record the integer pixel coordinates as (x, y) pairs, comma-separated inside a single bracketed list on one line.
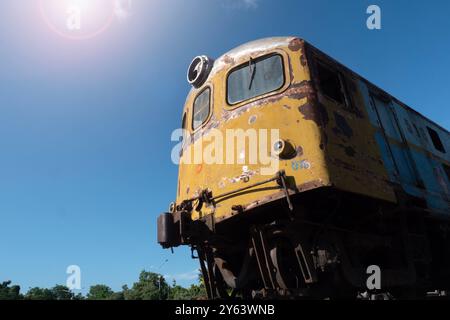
[(122, 9), (78, 19)]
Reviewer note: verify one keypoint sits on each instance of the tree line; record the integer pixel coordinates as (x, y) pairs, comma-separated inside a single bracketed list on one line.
[(150, 286)]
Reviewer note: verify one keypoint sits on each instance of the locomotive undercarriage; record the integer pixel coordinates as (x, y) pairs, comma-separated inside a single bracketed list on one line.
[(322, 248)]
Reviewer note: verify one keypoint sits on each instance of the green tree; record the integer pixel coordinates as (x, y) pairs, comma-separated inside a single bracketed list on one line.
[(100, 292), (198, 291), (194, 292), (40, 294), (62, 293), (8, 292), (56, 293), (178, 292), (117, 296), (78, 296), (151, 286)]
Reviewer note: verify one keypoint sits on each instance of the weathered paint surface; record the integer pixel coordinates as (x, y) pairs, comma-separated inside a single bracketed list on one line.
[(353, 157), (407, 150), (370, 149), (288, 109)]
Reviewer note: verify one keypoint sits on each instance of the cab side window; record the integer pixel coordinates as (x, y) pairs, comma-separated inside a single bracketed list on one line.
[(330, 83), (202, 108), (333, 84), (437, 142)]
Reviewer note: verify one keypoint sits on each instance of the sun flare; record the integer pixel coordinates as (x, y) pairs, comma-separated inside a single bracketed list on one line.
[(82, 19)]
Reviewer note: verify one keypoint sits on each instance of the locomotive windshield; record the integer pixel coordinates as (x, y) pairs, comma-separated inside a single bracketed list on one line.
[(255, 78)]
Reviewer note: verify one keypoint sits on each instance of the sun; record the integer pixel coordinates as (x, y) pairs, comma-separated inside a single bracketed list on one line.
[(78, 19)]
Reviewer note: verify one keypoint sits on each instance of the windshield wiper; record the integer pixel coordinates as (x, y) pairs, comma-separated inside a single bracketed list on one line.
[(252, 66)]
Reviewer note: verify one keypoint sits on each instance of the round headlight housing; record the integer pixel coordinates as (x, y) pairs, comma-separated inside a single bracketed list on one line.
[(199, 70), (284, 149)]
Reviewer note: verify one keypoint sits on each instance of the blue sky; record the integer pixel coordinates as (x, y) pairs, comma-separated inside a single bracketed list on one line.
[(85, 125)]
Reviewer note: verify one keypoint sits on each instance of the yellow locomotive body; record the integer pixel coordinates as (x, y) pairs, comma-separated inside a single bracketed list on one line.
[(326, 199), (291, 109)]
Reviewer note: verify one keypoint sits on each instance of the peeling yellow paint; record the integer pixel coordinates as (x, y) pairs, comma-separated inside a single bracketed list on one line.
[(328, 160)]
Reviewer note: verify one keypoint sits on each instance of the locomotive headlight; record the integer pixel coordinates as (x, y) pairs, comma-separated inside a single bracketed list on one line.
[(199, 70), (278, 147), (284, 149)]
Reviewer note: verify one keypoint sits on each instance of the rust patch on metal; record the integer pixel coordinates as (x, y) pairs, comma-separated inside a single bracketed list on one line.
[(232, 114), (303, 60), (302, 90), (307, 111), (310, 185), (295, 44), (342, 126), (291, 71), (227, 59), (315, 112)]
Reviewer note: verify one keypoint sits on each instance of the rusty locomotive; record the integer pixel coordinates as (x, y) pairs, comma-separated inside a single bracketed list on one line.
[(363, 180)]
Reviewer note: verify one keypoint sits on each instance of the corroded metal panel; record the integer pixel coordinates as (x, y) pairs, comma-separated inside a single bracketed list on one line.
[(353, 157), (407, 149)]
